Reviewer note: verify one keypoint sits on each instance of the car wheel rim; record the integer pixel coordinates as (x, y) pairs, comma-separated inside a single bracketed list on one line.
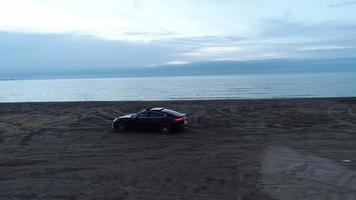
[(164, 129), (122, 127)]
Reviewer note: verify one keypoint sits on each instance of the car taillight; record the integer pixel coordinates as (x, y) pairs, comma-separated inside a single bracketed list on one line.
[(179, 119)]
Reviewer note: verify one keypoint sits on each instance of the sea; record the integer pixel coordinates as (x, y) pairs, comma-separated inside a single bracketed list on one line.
[(261, 86)]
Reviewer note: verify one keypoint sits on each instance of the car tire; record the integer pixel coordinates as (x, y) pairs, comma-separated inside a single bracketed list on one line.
[(165, 129), (121, 127)]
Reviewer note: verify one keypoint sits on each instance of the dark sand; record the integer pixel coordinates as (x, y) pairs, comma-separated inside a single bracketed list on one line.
[(250, 149)]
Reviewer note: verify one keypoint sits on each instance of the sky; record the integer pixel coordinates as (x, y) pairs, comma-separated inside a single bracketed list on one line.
[(83, 34)]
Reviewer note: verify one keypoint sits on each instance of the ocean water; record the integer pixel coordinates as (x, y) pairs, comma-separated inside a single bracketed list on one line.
[(181, 88)]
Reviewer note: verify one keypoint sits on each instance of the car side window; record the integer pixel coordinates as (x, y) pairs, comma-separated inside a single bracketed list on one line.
[(156, 115), (142, 115)]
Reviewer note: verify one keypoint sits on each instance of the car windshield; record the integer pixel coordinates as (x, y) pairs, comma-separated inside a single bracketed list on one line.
[(142, 114), (172, 112)]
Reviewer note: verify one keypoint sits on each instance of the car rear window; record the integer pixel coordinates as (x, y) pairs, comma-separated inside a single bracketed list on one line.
[(172, 112), (156, 114)]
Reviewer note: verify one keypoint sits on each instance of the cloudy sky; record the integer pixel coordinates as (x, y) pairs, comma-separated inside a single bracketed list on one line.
[(81, 34)]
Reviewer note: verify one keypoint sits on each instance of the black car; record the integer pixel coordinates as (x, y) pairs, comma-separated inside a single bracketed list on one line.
[(162, 119)]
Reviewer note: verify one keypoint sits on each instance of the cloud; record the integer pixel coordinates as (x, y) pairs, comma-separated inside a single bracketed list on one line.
[(177, 62), (299, 32), (341, 4), (67, 52), (144, 33), (277, 39), (149, 21), (214, 50), (323, 48), (37, 18), (126, 20)]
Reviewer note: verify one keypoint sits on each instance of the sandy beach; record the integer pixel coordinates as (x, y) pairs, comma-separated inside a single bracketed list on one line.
[(232, 149)]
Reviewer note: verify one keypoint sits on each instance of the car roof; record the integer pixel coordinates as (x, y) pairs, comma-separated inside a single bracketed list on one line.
[(156, 109)]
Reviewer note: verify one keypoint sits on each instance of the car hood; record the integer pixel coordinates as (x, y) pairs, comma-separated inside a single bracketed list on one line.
[(127, 116)]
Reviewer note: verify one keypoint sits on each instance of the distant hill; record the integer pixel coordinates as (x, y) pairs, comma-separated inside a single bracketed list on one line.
[(243, 67), (207, 68)]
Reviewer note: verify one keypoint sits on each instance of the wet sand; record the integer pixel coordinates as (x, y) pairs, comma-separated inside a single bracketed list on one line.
[(232, 149)]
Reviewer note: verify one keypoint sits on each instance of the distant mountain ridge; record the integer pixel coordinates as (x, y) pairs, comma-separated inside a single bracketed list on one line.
[(243, 67), (257, 67), (209, 68)]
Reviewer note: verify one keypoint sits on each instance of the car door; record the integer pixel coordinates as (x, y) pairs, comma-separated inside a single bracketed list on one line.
[(141, 121), (155, 118)]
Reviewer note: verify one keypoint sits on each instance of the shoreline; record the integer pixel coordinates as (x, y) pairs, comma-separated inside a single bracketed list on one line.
[(189, 100)]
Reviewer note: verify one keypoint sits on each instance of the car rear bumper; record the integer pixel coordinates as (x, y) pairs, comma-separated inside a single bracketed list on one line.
[(182, 125)]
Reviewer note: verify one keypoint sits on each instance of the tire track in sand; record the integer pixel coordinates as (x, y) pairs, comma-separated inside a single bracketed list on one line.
[(332, 111), (290, 174), (351, 113)]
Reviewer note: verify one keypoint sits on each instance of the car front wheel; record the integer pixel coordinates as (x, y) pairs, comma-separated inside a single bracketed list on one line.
[(121, 127)]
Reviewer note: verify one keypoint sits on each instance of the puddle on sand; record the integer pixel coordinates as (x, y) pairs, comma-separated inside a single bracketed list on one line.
[(289, 174)]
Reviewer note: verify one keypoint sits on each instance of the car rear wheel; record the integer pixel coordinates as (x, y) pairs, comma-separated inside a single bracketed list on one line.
[(121, 127), (165, 128)]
